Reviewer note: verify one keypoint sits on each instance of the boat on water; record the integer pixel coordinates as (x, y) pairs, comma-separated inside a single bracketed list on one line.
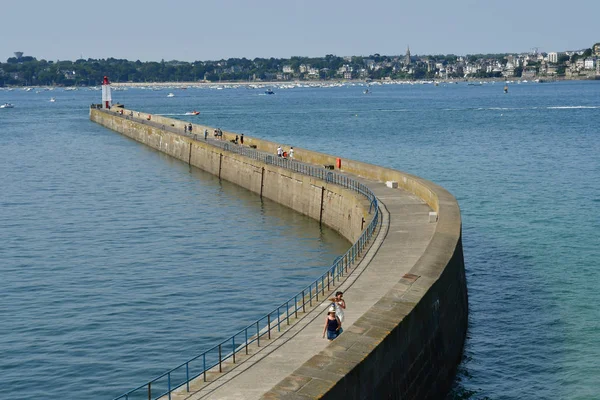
[(367, 91), (192, 112), (170, 95), (52, 99), (7, 105), (269, 91)]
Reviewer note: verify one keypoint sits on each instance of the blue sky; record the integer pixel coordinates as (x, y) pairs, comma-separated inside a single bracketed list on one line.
[(208, 30)]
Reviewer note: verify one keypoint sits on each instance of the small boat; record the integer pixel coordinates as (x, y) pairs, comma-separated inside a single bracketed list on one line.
[(367, 91), (7, 105), (269, 91), (170, 95), (52, 99), (192, 112)]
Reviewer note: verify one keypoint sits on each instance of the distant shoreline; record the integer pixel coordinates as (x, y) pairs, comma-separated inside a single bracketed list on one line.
[(318, 82)]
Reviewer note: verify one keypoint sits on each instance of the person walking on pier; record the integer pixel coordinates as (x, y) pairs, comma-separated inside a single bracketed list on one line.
[(291, 154), (184, 128), (242, 139), (190, 128), (340, 305), (333, 325), (279, 151), (205, 134)]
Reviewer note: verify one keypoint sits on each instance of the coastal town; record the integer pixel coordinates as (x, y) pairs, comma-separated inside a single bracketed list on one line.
[(23, 70)]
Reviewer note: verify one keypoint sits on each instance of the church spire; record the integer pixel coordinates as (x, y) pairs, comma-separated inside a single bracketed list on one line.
[(407, 56)]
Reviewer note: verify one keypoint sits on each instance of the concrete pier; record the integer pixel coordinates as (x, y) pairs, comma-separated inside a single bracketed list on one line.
[(407, 300)]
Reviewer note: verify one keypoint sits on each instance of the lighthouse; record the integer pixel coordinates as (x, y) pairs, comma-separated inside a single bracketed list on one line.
[(106, 97)]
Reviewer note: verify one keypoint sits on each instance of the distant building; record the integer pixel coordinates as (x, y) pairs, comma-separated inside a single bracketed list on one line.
[(287, 69), (369, 63), (551, 70), (589, 63), (407, 56), (528, 73), (430, 65), (596, 49), (304, 68), (508, 72), (348, 75), (553, 57)]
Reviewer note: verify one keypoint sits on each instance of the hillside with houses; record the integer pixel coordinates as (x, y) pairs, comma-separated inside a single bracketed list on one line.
[(576, 64)]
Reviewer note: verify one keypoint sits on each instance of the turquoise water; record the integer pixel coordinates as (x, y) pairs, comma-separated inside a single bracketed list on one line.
[(523, 166)]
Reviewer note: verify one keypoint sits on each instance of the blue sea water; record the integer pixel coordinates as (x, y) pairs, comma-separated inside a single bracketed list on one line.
[(116, 260)]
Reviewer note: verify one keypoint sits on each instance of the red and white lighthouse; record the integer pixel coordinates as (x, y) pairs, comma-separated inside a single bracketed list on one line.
[(106, 96)]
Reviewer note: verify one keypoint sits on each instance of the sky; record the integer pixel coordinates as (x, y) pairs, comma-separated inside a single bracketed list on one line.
[(199, 30)]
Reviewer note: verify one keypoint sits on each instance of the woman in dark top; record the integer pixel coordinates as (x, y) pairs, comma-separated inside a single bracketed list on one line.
[(332, 325)]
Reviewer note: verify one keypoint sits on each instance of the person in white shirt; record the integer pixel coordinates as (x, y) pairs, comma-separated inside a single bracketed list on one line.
[(339, 304)]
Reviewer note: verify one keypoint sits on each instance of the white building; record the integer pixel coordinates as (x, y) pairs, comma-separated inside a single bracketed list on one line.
[(287, 69), (589, 63), (553, 57)]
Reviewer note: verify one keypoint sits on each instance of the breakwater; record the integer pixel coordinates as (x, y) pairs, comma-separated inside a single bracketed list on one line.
[(410, 341)]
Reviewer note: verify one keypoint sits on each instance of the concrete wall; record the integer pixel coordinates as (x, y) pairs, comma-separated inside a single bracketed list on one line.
[(409, 344), (343, 210)]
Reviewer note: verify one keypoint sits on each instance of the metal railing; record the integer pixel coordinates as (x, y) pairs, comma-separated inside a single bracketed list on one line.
[(200, 365)]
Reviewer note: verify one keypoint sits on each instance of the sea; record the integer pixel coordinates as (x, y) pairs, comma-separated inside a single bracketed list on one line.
[(118, 263)]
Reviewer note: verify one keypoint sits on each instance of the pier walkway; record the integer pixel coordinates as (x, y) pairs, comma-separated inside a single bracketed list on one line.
[(404, 234)]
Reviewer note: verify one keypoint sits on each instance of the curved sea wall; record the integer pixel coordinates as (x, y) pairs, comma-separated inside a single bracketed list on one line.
[(410, 342), (334, 206)]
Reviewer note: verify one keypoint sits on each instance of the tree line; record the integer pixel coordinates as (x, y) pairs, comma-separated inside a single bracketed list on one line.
[(28, 71)]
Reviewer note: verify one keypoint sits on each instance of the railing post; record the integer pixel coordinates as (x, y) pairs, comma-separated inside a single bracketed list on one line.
[(169, 384), (278, 321), (204, 366), (220, 368), (303, 303), (257, 334), (287, 311), (269, 325), (187, 376), (296, 306), (246, 331), (149, 390)]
